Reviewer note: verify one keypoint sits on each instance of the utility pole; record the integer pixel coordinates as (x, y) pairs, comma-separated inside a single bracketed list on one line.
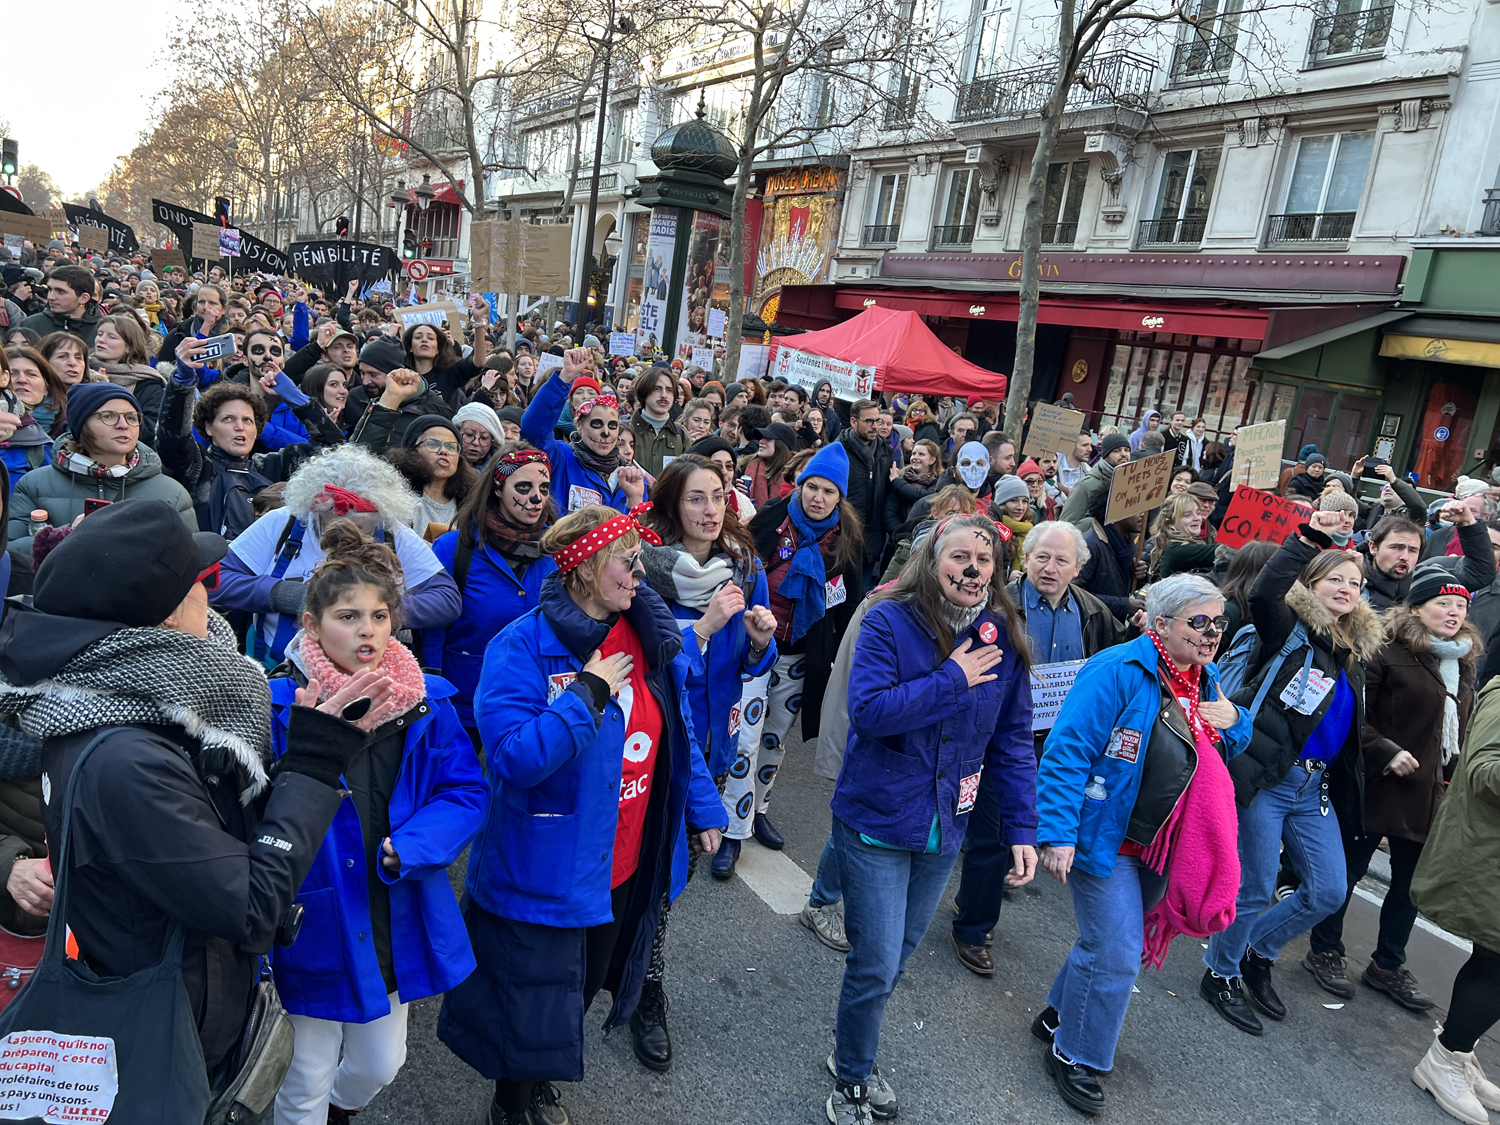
[(586, 270)]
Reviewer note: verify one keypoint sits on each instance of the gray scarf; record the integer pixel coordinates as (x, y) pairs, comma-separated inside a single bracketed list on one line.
[(680, 578), (1449, 653), (958, 617)]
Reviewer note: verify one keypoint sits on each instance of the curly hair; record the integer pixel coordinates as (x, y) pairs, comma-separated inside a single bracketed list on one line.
[(353, 467), (352, 559), (207, 408)]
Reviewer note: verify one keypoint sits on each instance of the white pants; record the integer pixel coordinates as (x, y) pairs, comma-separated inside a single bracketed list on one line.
[(373, 1053), (769, 709)]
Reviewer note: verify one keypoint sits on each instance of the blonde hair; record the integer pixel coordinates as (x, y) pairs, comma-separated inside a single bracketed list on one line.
[(1166, 531), (583, 580)]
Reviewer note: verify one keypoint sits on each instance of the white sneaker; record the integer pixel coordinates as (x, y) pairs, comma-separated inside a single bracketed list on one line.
[(1485, 1090), (827, 924), (1446, 1076)]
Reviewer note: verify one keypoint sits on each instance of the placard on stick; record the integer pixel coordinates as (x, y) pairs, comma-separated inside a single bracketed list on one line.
[(1254, 513), (1054, 429), (93, 238), (37, 230), (1139, 486), (165, 257), (1257, 453)]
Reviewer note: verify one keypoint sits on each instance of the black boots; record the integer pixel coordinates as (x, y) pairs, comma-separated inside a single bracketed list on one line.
[(1227, 995), (648, 1028), (1255, 970)]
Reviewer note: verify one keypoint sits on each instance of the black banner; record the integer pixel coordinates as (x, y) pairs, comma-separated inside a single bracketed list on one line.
[(122, 238), (10, 203), (260, 256), (332, 263)]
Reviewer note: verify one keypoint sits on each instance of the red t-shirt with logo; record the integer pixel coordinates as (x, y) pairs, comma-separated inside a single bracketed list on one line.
[(643, 728)]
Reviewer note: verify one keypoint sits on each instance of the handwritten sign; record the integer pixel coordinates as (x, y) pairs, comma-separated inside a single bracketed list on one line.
[(1050, 684), (1257, 453), (55, 217), (206, 241), (1139, 486), (93, 238), (704, 358), (435, 313), (1257, 514), (546, 363), (622, 343), (37, 230), (166, 257), (1054, 429), (716, 319)]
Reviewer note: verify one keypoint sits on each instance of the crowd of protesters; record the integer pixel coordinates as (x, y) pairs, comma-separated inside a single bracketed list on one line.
[(294, 628)]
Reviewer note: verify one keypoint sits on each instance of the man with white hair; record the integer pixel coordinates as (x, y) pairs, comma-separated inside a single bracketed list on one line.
[(1063, 622)]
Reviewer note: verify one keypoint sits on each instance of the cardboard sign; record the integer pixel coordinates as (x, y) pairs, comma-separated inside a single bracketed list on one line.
[(1257, 453), (1257, 514), (1050, 684), (1139, 486), (165, 257), (435, 313), (704, 358), (37, 230), (511, 256), (206, 241), (622, 343), (1054, 429), (57, 217), (93, 238)]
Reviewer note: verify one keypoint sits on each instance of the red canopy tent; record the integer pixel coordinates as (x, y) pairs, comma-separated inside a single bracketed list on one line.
[(903, 352)]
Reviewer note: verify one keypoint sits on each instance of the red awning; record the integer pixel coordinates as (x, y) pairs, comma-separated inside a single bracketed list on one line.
[(444, 193), (903, 351), (1080, 312)]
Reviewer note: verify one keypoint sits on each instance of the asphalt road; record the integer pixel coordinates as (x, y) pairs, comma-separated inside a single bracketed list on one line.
[(753, 999)]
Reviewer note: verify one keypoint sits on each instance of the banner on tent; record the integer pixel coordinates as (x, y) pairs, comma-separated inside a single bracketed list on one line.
[(850, 380)]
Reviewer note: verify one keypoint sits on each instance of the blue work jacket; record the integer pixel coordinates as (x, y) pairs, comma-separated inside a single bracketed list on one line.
[(1090, 774), (920, 736), (573, 486), (493, 598), (331, 972)]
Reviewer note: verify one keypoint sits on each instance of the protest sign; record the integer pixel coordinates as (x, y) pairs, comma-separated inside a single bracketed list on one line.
[(1139, 486), (121, 236), (803, 369), (716, 319), (1054, 429), (434, 313), (546, 363), (1050, 684), (93, 238), (622, 343), (229, 243), (38, 231), (256, 254), (511, 256), (57, 218), (1254, 513), (661, 240), (547, 259), (1257, 453), (14, 243), (333, 263), (166, 257), (55, 1077), (704, 358)]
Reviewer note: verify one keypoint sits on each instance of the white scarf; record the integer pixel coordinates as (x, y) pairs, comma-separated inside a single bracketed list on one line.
[(1449, 653), (678, 577)]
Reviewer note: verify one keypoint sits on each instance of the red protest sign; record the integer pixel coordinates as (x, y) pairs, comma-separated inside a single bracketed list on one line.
[(1257, 514)]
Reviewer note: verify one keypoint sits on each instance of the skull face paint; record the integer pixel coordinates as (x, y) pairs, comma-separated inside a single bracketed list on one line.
[(973, 465)]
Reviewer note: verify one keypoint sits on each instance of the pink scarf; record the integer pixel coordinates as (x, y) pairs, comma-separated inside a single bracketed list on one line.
[(408, 685)]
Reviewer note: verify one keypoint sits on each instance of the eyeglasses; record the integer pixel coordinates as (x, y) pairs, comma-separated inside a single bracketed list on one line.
[(110, 417), (1202, 623), (704, 500), (210, 577), (432, 445), (276, 351)]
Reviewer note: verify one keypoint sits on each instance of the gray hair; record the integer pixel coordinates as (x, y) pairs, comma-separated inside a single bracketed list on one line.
[(1171, 596), (962, 416), (1034, 537), (353, 467)]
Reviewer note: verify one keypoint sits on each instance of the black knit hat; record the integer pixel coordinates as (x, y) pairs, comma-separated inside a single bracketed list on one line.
[(384, 354), (1112, 443), (1433, 580), (420, 425)]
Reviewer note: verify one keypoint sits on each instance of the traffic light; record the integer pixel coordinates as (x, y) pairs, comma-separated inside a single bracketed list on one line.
[(10, 157), (221, 210), (341, 224)]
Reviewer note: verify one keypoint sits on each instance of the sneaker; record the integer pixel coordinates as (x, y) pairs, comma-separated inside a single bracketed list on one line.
[(546, 1107), (1328, 970), (1445, 1075), (849, 1104), (827, 925), (1400, 986), (882, 1096)]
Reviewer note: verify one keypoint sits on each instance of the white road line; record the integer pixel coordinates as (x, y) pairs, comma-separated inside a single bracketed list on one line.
[(779, 883), (1422, 923)]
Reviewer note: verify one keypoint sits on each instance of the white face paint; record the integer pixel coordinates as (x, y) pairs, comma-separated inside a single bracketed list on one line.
[(973, 464)]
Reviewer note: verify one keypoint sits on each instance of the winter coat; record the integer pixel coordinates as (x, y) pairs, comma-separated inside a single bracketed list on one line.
[(1454, 885), (1404, 695), (293, 425), (653, 446), (29, 447), (1278, 602), (1101, 628), (331, 972), (46, 322), (21, 833), (1090, 496), (573, 485), (149, 387), (869, 473), (1179, 558), (493, 597), (62, 491), (920, 736), (1108, 770), (900, 497), (1110, 571), (1476, 571), (380, 428)]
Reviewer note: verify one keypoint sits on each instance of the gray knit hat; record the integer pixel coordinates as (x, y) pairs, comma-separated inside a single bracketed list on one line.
[(1010, 487)]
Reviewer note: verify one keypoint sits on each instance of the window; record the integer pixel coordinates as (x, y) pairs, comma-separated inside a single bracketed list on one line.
[(622, 133), (1206, 47), (961, 210), (1182, 200), (1351, 30), (1062, 202), (990, 35), (1204, 377), (887, 200), (1322, 196)]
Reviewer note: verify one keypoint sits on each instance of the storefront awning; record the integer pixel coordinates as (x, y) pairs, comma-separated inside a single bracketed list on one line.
[(1328, 336), (1417, 340)]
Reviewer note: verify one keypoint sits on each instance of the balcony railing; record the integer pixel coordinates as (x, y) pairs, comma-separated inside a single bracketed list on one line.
[(900, 109), (1113, 78), (884, 234), (1490, 224), (1171, 232), (952, 236), (1349, 36), (1059, 234), (1311, 226), (1201, 58)]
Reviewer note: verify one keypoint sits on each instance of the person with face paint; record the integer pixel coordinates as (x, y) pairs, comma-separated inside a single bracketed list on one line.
[(586, 469), (595, 779), (495, 557), (939, 695)]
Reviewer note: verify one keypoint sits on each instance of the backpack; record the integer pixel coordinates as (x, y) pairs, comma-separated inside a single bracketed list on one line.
[(1234, 669)]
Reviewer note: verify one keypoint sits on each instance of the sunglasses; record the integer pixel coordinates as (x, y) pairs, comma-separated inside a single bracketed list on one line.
[(1202, 623), (210, 577)]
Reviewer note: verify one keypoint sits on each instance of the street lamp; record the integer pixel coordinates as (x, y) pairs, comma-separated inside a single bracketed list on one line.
[(424, 192), (625, 27)]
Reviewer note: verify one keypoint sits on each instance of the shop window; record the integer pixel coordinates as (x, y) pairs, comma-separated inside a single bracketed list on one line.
[(1444, 436), (1212, 384)]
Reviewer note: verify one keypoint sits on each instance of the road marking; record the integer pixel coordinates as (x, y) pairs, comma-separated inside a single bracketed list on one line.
[(776, 880), (1422, 923)]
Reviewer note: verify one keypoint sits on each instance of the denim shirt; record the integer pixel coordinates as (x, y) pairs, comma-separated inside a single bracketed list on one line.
[(1053, 634)]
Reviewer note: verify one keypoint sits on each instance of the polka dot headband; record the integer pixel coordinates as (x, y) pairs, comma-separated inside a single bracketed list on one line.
[(515, 459), (601, 400), (602, 536)]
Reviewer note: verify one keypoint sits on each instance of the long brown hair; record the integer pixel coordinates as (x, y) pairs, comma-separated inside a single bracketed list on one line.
[(1321, 566), (664, 518), (57, 391), (447, 353)]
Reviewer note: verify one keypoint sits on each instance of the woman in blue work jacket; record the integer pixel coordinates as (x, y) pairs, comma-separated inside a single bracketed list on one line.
[(595, 775), (380, 926), (939, 691), (707, 572), (496, 559), (586, 469)]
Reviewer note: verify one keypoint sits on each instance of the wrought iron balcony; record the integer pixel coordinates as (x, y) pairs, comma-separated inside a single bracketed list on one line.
[(1490, 224), (1349, 36), (1171, 232), (1059, 234), (1201, 58), (1310, 226), (1113, 78), (883, 234), (951, 237)]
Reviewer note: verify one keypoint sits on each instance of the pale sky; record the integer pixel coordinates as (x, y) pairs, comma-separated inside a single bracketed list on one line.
[(75, 109)]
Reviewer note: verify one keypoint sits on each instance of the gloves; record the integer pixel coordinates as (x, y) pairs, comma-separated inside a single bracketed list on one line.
[(288, 391), (320, 746), (287, 595)]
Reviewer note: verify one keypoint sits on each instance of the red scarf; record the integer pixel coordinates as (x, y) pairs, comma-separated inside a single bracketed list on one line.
[(408, 685)]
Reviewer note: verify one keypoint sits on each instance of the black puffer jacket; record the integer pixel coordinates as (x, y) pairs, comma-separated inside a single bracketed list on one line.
[(1277, 602), (21, 834)]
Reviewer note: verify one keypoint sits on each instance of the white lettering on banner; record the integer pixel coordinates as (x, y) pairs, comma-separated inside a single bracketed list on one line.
[(57, 1078), (1050, 684), (850, 380)]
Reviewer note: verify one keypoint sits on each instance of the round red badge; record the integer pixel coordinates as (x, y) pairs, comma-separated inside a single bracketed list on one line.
[(988, 632)]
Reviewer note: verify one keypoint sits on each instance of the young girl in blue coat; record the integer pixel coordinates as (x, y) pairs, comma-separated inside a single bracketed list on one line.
[(380, 925), (496, 558), (595, 775), (707, 572)]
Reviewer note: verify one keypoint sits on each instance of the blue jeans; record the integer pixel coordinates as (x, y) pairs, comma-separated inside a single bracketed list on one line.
[(889, 899), (1286, 813), (827, 888), (1092, 990), (987, 860)]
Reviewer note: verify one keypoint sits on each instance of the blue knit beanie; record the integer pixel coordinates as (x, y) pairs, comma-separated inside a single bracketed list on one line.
[(87, 399), (831, 463)]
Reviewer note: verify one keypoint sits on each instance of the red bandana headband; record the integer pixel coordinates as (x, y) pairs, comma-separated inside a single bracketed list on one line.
[(603, 535), (599, 400), (1002, 533), (344, 501), (515, 459)]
